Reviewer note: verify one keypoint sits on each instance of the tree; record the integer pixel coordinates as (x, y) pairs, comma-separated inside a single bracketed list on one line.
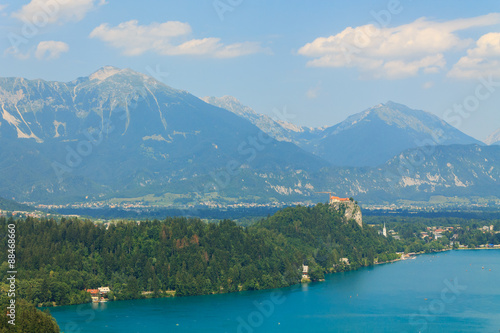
[(316, 273)]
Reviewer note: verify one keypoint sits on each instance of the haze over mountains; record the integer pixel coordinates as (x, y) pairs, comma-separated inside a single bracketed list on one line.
[(122, 134)]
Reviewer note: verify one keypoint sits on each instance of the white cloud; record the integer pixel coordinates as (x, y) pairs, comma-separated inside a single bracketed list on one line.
[(396, 69), (42, 12), (50, 49), (2, 7), (396, 52), (482, 60), (168, 38), (16, 53)]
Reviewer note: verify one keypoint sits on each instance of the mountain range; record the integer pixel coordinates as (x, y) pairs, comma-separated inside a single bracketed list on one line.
[(121, 135), (119, 130), (368, 138), (279, 129)]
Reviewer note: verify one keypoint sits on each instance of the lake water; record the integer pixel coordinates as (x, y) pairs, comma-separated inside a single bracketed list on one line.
[(445, 292)]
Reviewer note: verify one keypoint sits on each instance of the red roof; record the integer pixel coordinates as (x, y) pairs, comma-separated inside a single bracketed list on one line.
[(339, 199)]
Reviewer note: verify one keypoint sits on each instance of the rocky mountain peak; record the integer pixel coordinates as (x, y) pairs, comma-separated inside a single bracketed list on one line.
[(104, 72), (494, 138)]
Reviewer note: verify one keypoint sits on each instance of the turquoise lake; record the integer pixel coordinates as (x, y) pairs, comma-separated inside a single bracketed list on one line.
[(455, 291)]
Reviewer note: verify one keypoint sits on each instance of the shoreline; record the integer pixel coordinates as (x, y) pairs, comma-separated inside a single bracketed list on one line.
[(444, 250), (480, 248), (374, 264), (409, 258)]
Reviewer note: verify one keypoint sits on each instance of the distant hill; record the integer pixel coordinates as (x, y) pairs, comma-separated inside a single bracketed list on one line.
[(11, 205), (417, 174), (465, 171)]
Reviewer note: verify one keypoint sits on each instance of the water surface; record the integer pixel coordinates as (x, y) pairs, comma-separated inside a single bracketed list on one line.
[(445, 292)]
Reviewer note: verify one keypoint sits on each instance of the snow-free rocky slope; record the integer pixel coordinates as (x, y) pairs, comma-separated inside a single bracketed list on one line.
[(121, 134)]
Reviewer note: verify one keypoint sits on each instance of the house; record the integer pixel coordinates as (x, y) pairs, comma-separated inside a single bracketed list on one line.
[(337, 199), (93, 292), (104, 290), (305, 272), (98, 294)]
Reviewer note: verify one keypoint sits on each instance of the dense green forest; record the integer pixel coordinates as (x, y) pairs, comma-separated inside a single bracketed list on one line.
[(467, 232), (58, 260), (323, 237), (442, 221)]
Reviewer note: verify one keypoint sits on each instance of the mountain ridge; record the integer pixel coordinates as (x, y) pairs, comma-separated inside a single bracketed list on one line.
[(367, 138), (125, 130), (124, 136), (372, 137), (280, 129)]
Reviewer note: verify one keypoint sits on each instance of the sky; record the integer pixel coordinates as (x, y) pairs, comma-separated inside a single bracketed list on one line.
[(310, 63)]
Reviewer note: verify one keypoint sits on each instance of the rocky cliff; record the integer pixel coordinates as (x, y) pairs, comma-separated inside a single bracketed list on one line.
[(350, 211)]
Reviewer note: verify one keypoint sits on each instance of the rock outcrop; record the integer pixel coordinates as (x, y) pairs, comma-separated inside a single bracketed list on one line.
[(350, 210)]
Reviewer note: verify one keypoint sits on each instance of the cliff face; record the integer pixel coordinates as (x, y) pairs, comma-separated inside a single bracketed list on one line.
[(350, 210)]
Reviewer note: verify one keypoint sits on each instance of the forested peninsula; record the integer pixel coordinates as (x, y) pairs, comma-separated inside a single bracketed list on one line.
[(59, 260)]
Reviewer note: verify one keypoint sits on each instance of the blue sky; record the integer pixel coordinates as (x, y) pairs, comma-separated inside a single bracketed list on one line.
[(321, 61)]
